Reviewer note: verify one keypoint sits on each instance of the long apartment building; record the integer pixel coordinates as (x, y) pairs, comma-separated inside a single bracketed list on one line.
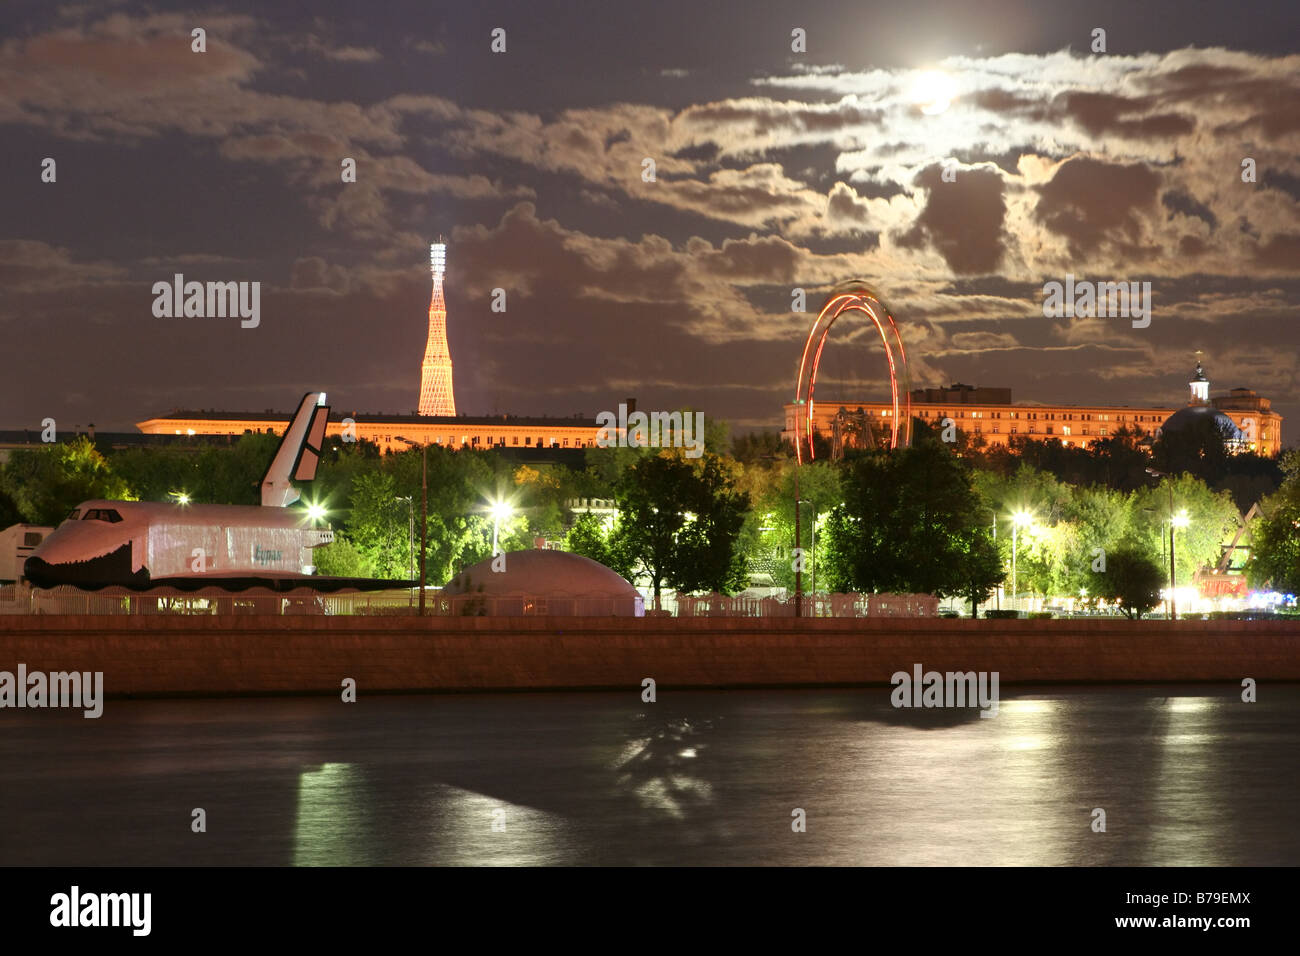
[(991, 414), (384, 430)]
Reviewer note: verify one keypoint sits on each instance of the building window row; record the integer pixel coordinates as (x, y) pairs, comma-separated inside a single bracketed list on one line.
[(488, 441)]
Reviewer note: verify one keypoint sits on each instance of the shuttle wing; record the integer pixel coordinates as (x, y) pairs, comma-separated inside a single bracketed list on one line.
[(299, 452)]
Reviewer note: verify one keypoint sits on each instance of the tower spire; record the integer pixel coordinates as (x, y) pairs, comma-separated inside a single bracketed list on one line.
[(1199, 384), (436, 395)]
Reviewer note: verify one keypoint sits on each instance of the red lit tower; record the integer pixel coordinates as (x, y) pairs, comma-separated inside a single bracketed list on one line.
[(436, 397)]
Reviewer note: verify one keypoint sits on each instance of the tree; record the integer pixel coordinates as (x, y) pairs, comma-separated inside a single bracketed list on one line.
[(1211, 517), (981, 567), (379, 525), (156, 474), (910, 522), (460, 531), (1133, 579), (46, 483), (1101, 519), (543, 492), (768, 535), (9, 514), (341, 559), (678, 523), (760, 446), (232, 476), (587, 538), (1275, 544), (591, 537)]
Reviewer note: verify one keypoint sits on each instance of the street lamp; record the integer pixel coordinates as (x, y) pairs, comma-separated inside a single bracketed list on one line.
[(424, 508), (1179, 520), (1019, 519), (997, 592), (501, 511), (812, 560), (410, 538), (798, 543)]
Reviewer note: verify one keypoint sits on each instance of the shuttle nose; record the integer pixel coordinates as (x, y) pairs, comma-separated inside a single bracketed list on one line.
[(83, 556), (60, 547)]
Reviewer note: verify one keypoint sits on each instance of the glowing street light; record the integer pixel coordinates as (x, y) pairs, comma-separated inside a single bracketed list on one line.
[(1020, 519), (315, 512), (424, 509), (500, 511), (181, 497), (1179, 520), (410, 514)]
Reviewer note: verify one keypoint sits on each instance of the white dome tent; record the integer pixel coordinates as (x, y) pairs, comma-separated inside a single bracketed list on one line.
[(541, 582)]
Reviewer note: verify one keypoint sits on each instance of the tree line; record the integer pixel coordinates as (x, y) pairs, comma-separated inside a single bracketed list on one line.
[(938, 517)]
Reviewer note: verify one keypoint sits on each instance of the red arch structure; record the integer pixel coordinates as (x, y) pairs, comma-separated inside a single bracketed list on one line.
[(853, 295)]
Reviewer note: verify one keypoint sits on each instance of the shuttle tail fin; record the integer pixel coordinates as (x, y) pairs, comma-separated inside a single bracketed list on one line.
[(299, 452)]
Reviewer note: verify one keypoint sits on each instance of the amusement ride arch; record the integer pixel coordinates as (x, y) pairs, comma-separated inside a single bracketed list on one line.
[(852, 295)]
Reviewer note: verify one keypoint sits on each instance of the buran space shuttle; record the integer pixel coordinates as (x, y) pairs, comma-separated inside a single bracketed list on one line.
[(140, 544)]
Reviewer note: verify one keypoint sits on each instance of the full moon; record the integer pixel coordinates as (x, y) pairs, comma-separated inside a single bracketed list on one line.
[(933, 91)]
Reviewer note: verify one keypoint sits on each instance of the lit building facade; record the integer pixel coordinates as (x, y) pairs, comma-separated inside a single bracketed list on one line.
[(990, 414), (455, 432)]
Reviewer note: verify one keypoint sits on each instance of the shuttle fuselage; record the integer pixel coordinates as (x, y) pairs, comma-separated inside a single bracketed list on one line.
[(138, 543)]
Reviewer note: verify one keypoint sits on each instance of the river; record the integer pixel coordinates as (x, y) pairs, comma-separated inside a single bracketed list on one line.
[(1186, 775)]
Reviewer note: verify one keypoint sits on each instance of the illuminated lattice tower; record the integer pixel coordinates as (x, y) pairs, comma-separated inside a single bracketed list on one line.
[(436, 397)]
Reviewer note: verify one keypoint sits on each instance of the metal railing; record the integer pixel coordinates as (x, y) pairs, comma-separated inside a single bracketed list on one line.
[(819, 605), (21, 599)]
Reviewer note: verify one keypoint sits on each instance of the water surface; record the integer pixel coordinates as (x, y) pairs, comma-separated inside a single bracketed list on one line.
[(1186, 776)]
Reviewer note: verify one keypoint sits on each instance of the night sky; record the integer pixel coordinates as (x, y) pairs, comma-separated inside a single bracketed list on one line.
[(775, 169)]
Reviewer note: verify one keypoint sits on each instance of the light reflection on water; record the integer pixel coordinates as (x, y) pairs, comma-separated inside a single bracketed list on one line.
[(1186, 776)]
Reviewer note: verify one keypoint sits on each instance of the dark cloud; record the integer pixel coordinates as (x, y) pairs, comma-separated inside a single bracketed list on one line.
[(1092, 202), (1281, 252), (1108, 114), (962, 219), (1177, 201), (314, 273)]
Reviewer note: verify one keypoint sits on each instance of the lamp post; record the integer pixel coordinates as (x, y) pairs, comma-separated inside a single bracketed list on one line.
[(1179, 520), (1017, 519), (997, 592), (424, 508), (410, 539), (500, 510), (812, 553), (798, 543)]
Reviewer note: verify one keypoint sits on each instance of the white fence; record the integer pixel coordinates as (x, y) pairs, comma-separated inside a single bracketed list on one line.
[(208, 601), (523, 605), (20, 599), (820, 605)]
